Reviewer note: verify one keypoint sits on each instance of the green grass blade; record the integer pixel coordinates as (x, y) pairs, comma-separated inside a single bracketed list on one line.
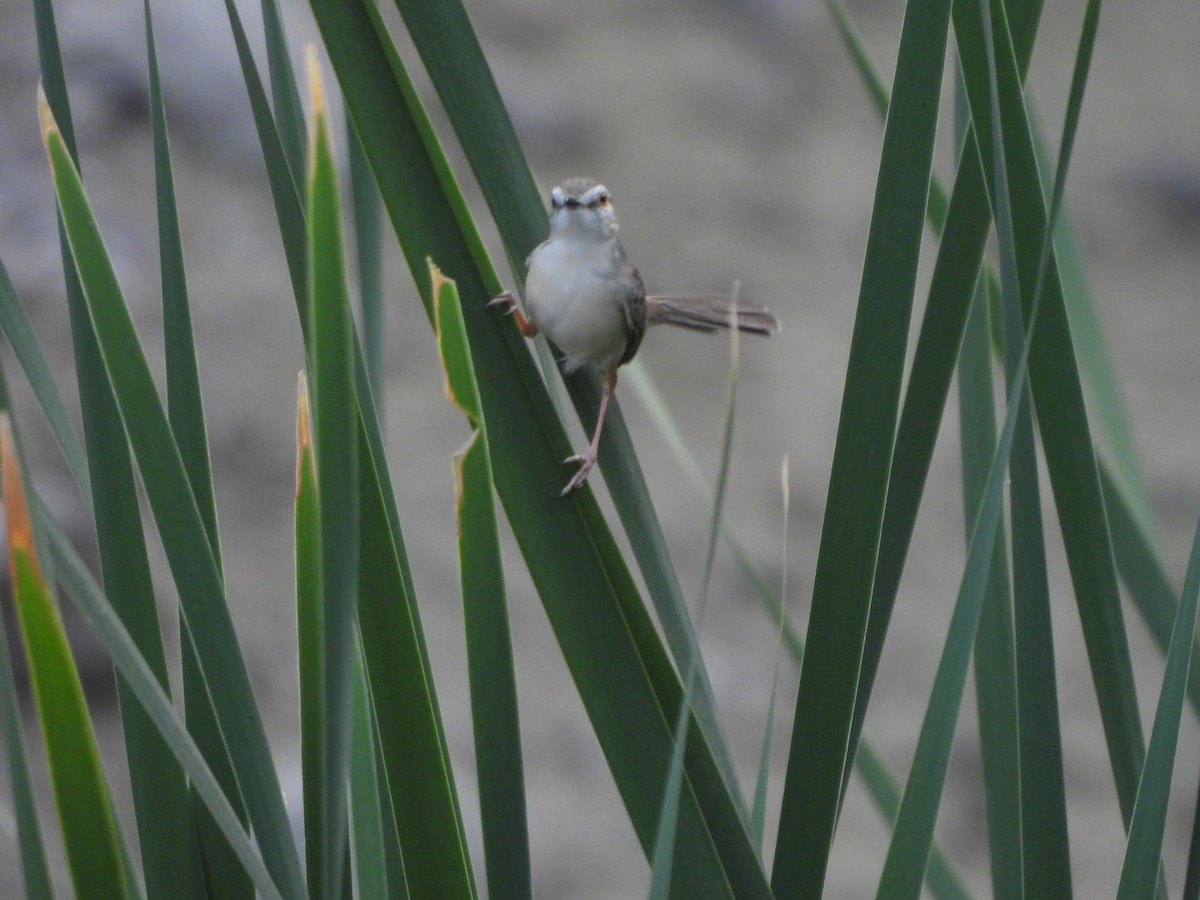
[(335, 435), (758, 808), (451, 53), (964, 235), (159, 790), (995, 675), (85, 812), (912, 835), (186, 414), (1066, 435), (415, 761), (862, 460), (664, 842), (943, 881), (1046, 859), (104, 622), (19, 333), (285, 93), (34, 868), (309, 630), (1142, 571), (368, 830), (181, 528), (612, 650), (494, 712), (285, 186), (367, 213), (1140, 872)]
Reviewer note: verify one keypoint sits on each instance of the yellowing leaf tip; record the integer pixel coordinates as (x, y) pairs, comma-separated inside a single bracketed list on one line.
[(16, 510), (45, 115), (303, 427), (316, 87)]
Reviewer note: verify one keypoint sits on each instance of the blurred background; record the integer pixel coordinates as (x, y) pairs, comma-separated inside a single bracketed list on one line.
[(739, 144)]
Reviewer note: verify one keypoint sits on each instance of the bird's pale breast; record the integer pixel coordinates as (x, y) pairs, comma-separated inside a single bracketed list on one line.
[(574, 298)]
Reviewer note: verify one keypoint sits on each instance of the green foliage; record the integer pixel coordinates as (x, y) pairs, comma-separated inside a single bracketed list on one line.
[(382, 809)]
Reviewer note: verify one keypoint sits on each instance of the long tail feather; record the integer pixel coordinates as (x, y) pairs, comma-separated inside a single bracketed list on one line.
[(708, 312)]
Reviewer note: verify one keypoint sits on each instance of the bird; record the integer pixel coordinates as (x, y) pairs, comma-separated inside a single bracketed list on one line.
[(583, 293)]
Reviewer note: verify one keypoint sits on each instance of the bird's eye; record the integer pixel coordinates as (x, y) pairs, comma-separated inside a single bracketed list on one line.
[(602, 200)]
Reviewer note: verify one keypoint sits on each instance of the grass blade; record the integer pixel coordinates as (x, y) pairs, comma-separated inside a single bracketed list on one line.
[(184, 538), (185, 412), (369, 831), (1066, 435), (85, 812), (335, 435), (862, 460), (309, 631), (34, 868), (19, 333), (489, 644), (368, 254), (912, 835), (1140, 872), (995, 675), (664, 842), (104, 622)]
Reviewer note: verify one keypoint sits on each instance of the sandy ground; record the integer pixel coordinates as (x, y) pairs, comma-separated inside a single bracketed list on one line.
[(739, 145)]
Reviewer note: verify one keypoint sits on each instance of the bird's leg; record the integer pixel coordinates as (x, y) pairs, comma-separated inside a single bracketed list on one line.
[(587, 459), (509, 302)]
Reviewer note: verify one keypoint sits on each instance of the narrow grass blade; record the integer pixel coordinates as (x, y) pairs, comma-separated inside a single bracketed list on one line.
[(1046, 859), (862, 460), (369, 831), (335, 436), (494, 713), (185, 412), (943, 882), (912, 835), (181, 528), (85, 812), (19, 333), (955, 273), (758, 809), (286, 186), (159, 790), (1140, 872), (309, 628), (1142, 571), (367, 213), (104, 622), (1066, 435), (34, 868), (995, 665), (664, 842), (608, 641), (285, 94)]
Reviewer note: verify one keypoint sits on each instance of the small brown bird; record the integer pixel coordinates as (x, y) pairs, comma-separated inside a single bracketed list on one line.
[(584, 295)]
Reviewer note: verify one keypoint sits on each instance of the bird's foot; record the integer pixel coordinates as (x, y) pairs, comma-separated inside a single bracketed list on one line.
[(505, 300), (587, 462), (509, 307)]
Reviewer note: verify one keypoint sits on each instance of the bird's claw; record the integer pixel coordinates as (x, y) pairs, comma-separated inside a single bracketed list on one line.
[(587, 462), (506, 300)]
